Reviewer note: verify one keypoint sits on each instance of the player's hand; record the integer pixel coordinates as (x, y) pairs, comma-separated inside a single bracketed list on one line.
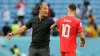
[(82, 44), (9, 36)]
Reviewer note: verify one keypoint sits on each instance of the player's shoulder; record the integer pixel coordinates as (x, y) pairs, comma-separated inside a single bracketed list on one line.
[(77, 19), (65, 17), (61, 18)]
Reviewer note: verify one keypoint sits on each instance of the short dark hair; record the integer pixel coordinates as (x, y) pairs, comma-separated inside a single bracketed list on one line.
[(72, 7)]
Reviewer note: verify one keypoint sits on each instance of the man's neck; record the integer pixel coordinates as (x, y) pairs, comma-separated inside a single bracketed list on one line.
[(40, 17)]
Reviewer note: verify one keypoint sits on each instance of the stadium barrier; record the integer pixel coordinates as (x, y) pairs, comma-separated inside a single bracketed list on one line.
[(92, 47)]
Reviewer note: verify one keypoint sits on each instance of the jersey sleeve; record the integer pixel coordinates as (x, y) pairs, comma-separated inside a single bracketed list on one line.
[(29, 24), (80, 26)]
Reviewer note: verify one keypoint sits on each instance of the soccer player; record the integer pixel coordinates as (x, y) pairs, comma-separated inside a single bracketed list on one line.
[(69, 26), (40, 34)]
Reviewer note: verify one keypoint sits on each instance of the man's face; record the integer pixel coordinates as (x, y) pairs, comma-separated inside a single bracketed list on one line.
[(44, 10)]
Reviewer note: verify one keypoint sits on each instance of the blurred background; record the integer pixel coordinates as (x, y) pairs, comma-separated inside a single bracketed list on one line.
[(15, 13)]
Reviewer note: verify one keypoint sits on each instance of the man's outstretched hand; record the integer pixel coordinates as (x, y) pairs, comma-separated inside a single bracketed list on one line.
[(9, 36)]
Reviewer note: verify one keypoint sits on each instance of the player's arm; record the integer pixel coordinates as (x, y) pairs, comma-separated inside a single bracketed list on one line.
[(82, 38), (18, 31)]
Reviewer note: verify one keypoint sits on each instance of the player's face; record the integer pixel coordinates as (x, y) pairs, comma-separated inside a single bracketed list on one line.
[(44, 10)]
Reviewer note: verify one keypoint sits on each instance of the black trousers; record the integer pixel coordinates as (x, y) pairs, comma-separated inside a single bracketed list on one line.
[(39, 52)]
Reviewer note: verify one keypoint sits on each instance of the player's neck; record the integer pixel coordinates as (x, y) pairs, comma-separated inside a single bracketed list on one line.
[(71, 14)]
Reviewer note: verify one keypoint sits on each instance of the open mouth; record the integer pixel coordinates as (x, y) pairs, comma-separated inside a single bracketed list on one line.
[(46, 12)]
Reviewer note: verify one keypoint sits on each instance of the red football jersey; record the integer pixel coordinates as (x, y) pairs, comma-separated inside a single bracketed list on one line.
[(68, 26)]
